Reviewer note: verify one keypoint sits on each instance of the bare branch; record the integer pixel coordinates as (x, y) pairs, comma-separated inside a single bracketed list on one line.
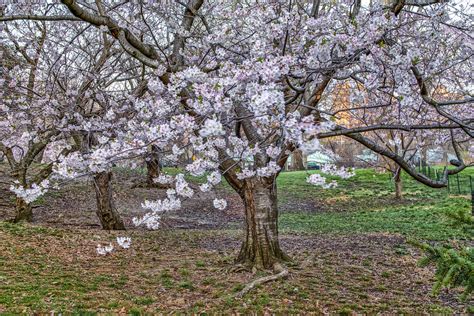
[(135, 47), (40, 18), (407, 128), (405, 165)]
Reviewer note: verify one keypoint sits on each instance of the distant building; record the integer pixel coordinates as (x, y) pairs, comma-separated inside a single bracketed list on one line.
[(312, 161)]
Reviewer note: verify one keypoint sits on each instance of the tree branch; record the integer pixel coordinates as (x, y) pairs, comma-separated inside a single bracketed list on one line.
[(40, 18), (143, 52), (405, 165), (408, 128)]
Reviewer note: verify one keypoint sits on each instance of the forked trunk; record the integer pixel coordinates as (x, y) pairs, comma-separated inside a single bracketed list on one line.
[(398, 185), (152, 166), (108, 216), (23, 211), (261, 247)]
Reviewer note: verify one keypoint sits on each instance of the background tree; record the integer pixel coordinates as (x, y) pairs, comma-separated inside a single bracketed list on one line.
[(30, 100)]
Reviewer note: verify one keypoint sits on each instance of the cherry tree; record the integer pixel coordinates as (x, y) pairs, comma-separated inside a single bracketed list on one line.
[(113, 78), (53, 96), (241, 84), (30, 119)]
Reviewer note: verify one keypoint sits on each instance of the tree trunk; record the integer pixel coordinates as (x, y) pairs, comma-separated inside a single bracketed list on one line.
[(152, 166), (261, 247), (108, 216), (23, 211), (297, 160), (398, 184)]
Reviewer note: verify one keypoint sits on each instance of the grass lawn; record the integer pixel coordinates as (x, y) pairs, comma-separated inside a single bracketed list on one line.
[(349, 247), (365, 204)]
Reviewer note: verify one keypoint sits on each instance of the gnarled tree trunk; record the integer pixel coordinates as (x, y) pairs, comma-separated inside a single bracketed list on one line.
[(108, 216), (261, 247), (152, 166), (23, 211), (398, 184)]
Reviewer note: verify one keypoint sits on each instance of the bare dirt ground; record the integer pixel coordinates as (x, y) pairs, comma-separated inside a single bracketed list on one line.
[(75, 205)]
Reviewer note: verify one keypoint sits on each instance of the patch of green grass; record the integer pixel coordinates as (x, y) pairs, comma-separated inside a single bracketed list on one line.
[(135, 312), (22, 229), (186, 284), (417, 221), (117, 283), (441, 310), (113, 304), (84, 313), (365, 204), (167, 280), (366, 184), (184, 272), (200, 264), (209, 281), (347, 310), (143, 300)]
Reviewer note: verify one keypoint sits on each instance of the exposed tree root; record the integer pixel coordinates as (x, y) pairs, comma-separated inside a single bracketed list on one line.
[(280, 273), (238, 268)]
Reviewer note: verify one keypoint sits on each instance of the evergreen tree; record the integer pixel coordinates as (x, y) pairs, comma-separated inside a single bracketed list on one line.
[(454, 267)]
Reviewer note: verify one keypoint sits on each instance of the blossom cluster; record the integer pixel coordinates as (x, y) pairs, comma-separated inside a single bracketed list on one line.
[(32, 193), (317, 179), (341, 172), (124, 242), (220, 204)]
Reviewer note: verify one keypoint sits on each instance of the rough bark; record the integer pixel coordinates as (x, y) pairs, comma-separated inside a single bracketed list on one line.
[(106, 211), (398, 184), (152, 166), (261, 247), (153, 170), (297, 160), (23, 211)]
